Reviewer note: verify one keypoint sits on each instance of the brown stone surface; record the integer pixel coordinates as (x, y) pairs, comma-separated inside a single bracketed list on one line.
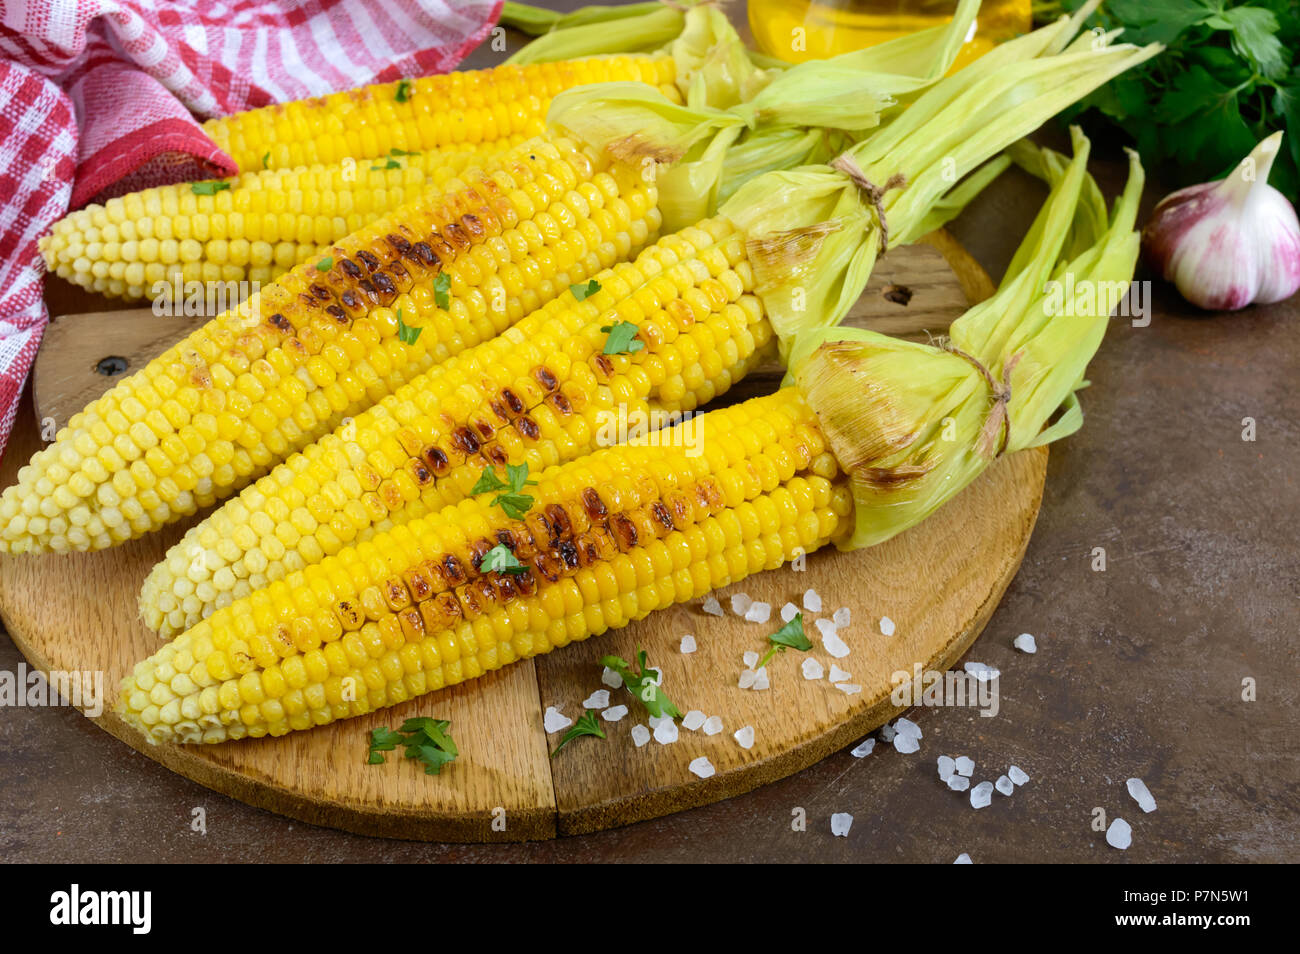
[(1139, 670)]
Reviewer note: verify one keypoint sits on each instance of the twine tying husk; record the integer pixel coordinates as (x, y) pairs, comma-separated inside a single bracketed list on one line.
[(874, 194), (997, 423)]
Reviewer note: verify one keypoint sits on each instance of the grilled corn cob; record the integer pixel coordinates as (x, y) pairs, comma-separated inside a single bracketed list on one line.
[(610, 538), (279, 371), (434, 112), (541, 393), (264, 224)]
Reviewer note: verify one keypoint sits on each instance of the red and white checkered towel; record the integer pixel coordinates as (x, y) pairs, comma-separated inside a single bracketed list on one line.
[(98, 97)]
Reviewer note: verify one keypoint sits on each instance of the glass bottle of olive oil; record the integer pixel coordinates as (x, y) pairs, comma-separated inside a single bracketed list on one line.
[(798, 30)]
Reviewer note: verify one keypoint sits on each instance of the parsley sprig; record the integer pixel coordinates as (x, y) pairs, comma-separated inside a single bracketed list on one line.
[(622, 338), (510, 496), (442, 291), (500, 559), (425, 740), (584, 290), (408, 333), (789, 636), (644, 685), (586, 725), (211, 187), (403, 90)]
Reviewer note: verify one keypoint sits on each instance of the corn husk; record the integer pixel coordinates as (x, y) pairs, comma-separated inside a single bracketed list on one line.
[(648, 28), (740, 121), (537, 21), (911, 422)]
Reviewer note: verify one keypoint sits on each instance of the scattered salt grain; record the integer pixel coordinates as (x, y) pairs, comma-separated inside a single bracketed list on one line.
[(712, 725), (750, 659), (963, 859), (688, 644), (1004, 785), (848, 688), (788, 612), (745, 737), (812, 669), (614, 713), (740, 603), (1141, 794), (1017, 776), (837, 674), (747, 678), (841, 616), (712, 606), (886, 626), (957, 783), (640, 735), (887, 733), (758, 612), (1025, 643), (702, 767), (834, 645), (693, 720), (946, 767), (908, 727), (554, 720), (965, 766), (1119, 834), (666, 732), (981, 672), (863, 748), (597, 700), (841, 822), (656, 721), (826, 627), (907, 744), (612, 679), (812, 601), (760, 679), (981, 795)]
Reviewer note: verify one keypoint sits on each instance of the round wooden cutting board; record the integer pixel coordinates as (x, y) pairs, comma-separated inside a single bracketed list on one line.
[(939, 583)]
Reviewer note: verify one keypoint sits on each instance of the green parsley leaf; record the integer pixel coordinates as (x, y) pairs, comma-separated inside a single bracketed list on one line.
[(789, 636), (643, 685), (1254, 37), (487, 482), (500, 559), (584, 290), (513, 501), (325, 264), (622, 338), (586, 725), (266, 159), (209, 188), (403, 90), (401, 152), (382, 740), (425, 740), (390, 164), (409, 334), (442, 291)]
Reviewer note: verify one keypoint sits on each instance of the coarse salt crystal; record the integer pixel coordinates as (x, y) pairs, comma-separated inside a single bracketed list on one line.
[(747, 677), (760, 679), (841, 616), (693, 720), (812, 601), (958, 783), (788, 612), (982, 672), (848, 688), (826, 627), (886, 626), (1141, 794), (1119, 834), (712, 606), (907, 744), (812, 669), (612, 679), (835, 646), (740, 603), (750, 659), (981, 795), (614, 713), (1025, 643), (1016, 775), (963, 859), (1004, 785), (745, 737), (863, 748), (838, 674), (712, 725), (554, 720), (702, 767), (908, 727), (946, 767), (841, 822), (688, 644), (666, 732), (640, 735), (965, 766), (656, 721), (597, 700), (758, 612)]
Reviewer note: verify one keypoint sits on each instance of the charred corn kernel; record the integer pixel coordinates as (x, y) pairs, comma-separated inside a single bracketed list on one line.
[(418, 115), (610, 538), (385, 271), (541, 393)]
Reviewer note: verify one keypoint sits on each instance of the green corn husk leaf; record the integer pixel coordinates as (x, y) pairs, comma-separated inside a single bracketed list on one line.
[(653, 29), (910, 422), (536, 21), (714, 70), (810, 223)]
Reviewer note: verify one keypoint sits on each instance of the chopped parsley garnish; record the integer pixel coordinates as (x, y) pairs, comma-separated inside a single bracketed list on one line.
[(426, 740), (510, 496), (403, 90), (789, 636), (644, 685), (586, 725), (325, 264), (442, 291), (622, 338), (211, 187), (266, 159), (390, 164), (409, 335), (401, 152), (500, 559), (584, 290)]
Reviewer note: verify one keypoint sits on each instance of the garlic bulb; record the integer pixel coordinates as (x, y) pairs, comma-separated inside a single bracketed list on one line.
[(1229, 243)]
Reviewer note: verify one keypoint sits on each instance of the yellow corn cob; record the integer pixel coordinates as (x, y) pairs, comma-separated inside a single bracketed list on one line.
[(284, 368), (433, 112), (263, 225), (541, 393), (610, 538)]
